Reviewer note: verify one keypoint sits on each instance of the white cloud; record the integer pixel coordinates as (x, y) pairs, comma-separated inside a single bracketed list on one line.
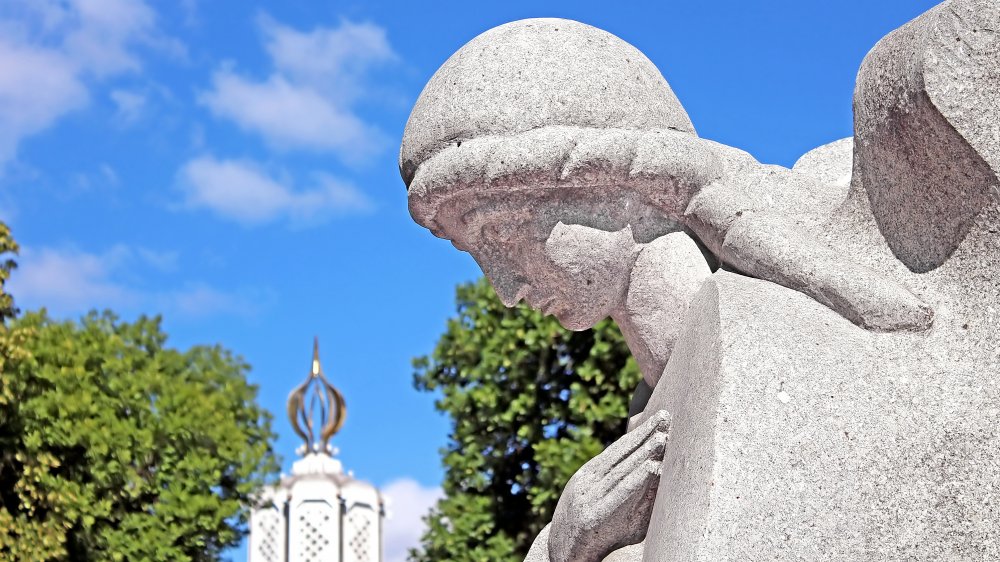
[(130, 105), (52, 51), (408, 502), (164, 262), (307, 102), (290, 116), (69, 281), (99, 34), (109, 174), (190, 10), (330, 60), (104, 176), (37, 86), (240, 190), (200, 300)]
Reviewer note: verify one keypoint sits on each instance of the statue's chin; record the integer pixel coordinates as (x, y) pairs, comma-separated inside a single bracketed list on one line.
[(575, 323)]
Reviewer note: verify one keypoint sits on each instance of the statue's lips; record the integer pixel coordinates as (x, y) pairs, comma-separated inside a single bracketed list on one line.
[(540, 303), (546, 307)]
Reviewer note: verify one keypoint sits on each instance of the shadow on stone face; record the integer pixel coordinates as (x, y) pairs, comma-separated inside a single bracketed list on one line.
[(927, 130)]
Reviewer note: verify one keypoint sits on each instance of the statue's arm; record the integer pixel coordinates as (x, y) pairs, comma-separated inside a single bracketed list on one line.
[(773, 248), (765, 242), (751, 224)]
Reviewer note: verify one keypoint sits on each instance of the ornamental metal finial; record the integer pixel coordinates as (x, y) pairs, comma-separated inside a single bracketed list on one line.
[(317, 418)]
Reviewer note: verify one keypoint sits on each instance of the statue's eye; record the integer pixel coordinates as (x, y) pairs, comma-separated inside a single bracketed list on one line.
[(471, 217)]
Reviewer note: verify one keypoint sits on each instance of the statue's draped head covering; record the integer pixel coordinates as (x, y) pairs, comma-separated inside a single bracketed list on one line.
[(526, 90)]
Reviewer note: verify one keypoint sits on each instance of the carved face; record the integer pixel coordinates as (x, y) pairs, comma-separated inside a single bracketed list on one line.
[(574, 272)]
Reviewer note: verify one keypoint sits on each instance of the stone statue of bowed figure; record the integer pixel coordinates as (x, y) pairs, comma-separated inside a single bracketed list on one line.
[(558, 156)]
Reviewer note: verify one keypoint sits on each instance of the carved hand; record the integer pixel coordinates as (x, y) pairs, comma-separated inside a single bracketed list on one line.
[(608, 502)]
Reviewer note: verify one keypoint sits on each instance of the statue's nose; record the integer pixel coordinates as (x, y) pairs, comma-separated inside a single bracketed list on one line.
[(509, 285), (510, 291), (510, 288)]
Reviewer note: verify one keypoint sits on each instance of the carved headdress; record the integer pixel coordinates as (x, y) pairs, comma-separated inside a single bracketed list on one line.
[(535, 104)]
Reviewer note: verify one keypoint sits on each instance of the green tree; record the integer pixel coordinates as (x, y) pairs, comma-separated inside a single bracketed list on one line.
[(8, 249), (529, 402), (116, 447)]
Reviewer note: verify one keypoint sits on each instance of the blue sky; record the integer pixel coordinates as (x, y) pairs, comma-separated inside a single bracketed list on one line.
[(232, 166)]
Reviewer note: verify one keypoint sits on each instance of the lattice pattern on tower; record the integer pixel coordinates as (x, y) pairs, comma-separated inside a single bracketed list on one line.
[(359, 525), (271, 547), (315, 545)]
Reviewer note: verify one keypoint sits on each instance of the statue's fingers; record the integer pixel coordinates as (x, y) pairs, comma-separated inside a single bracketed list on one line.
[(659, 422), (635, 486), (651, 450)]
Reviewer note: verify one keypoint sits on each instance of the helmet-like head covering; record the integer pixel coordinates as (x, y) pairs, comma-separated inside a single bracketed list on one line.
[(533, 104)]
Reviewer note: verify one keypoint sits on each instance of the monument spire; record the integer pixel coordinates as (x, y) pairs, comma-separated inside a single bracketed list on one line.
[(319, 511), (316, 408)]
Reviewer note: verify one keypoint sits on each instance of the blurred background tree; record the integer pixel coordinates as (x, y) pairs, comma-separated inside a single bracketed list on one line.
[(114, 446), (529, 402)]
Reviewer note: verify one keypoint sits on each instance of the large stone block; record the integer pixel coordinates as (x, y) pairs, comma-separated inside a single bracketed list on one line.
[(798, 436)]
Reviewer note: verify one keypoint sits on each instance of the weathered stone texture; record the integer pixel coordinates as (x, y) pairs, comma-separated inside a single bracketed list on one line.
[(927, 129), (833, 386), (515, 78), (798, 436)]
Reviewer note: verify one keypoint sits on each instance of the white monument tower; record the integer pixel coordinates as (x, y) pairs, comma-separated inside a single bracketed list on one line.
[(319, 513)]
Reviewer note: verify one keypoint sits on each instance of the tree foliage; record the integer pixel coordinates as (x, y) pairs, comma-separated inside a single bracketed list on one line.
[(529, 402), (116, 447)]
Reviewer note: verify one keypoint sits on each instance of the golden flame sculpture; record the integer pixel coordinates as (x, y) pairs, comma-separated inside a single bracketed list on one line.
[(316, 408)]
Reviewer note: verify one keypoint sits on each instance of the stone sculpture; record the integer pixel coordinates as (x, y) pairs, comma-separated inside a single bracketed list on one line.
[(820, 344)]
